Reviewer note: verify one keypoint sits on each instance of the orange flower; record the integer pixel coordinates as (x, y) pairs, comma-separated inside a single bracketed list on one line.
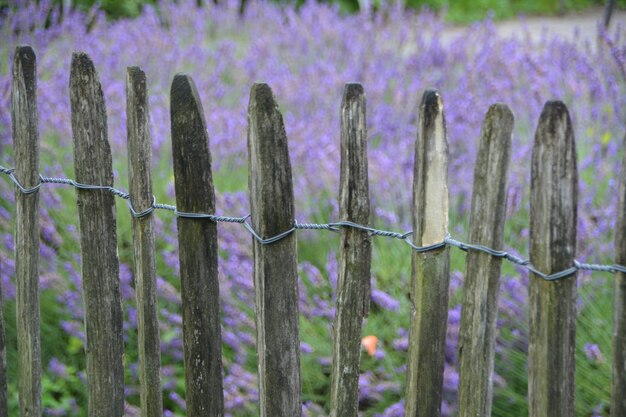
[(369, 343)]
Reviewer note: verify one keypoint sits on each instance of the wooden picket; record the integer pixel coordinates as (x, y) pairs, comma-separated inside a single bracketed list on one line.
[(477, 337), (275, 266), (140, 184), (197, 242), (355, 256), (553, 210), (618, 399), (25, 120), (430, 270), (98, 242)]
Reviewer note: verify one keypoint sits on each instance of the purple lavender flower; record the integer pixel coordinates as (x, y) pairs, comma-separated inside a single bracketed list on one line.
[(57, 368), (384, 300), (593, 353)]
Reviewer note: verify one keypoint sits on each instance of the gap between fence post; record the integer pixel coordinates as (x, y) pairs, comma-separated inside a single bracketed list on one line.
[(25, 120), (477, 335), (144, 268), (197, 240), (618, 394), (553, 216), (275, 265), (355, 254), (98, 242), (430, 270)]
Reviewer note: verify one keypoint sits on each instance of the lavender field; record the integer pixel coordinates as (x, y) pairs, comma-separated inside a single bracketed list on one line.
[(307, 56)]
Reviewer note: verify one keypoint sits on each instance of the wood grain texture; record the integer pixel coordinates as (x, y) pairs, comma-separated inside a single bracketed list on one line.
[(197, 240), (25, 120), (4, 402), (430, 271), (477, 336), (355, 256), (618, 397), (98, 243), (144, 269), (553, 211), (275, 265)]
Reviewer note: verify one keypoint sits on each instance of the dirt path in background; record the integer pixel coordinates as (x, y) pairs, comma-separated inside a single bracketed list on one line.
[(586, 22)]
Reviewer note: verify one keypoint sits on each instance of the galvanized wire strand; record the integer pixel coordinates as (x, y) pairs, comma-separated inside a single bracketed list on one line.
[(66, 181), (372, 232), (142, 213), (333, 227), (269, 240)]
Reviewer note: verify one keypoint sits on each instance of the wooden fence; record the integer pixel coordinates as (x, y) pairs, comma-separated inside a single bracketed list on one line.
[(551, 359)]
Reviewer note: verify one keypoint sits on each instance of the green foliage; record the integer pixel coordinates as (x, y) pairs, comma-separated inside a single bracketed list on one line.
[(115, 8), (456, 11)]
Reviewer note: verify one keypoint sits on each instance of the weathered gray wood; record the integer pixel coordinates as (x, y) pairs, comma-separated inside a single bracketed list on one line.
[(430, 270), (197, 240), (140, 182), (618, 396), (477, 336), (4, 403), (355, 256), (275, 265), (25, 122), (98, 243), (553, 197)]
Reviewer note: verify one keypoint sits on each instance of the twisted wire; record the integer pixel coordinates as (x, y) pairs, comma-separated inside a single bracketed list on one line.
[(333, 227)]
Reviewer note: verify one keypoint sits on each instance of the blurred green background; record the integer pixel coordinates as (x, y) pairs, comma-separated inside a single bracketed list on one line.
[(455, 11)]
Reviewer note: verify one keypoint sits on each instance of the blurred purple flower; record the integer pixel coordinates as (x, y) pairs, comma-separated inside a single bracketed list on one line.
[(384, 300), (57, 368), (593, 353)]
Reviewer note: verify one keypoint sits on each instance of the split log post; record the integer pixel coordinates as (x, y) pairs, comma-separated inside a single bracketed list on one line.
[(98, 243), (197, 240), (477, 336), (140, 184), (430, 270), (25, 120), (355, 256), (618, 397), (275, 264), (553, 211)]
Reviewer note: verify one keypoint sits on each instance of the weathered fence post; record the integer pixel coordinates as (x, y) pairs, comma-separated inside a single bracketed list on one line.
[(477, 336), (618, 396), (25, 120), (4, 401), (197, 240), (553, 214), (430, 270), (98, 243), (355, 254), (140, 184), (275, 264)]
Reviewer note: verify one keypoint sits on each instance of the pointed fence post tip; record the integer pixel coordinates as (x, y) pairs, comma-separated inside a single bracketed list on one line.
[(82, 63)]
